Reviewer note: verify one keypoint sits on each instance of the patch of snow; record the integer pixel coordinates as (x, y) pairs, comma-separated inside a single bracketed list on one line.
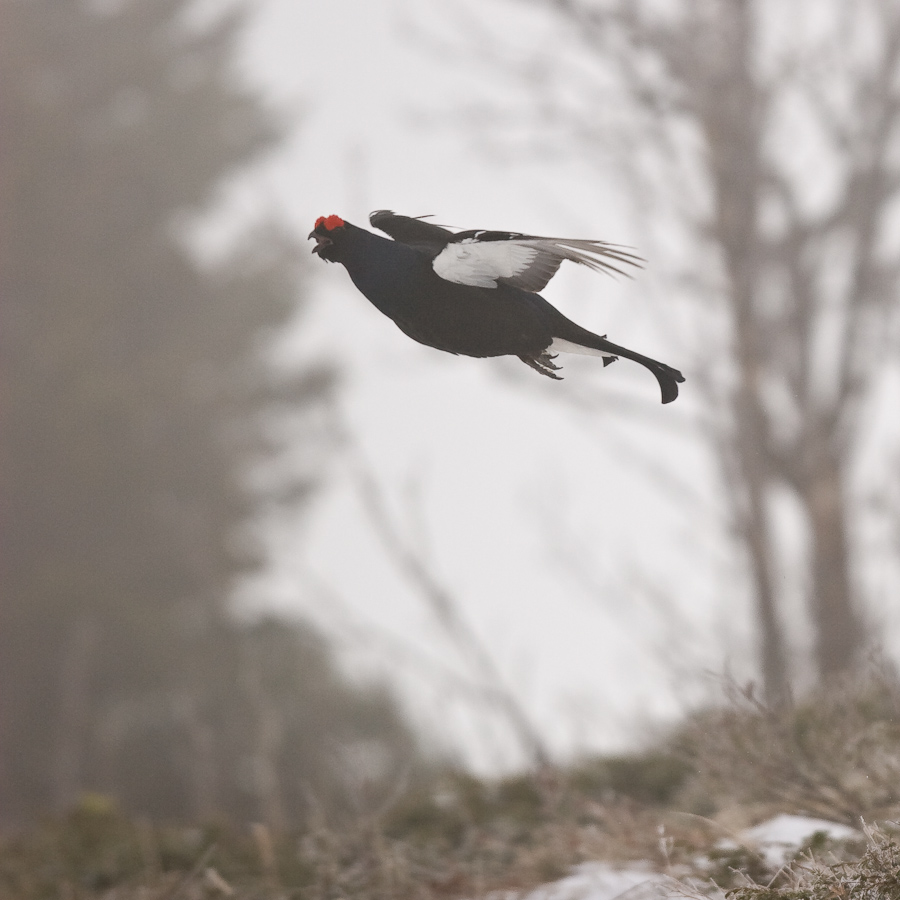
[(778, 839), (602, 881)]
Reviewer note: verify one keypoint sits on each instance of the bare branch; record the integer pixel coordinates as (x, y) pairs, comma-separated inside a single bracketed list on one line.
[(445, 608), (358, 635)]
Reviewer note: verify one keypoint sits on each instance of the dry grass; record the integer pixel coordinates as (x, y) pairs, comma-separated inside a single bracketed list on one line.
[(836, 755), (96, 853), (468, 840), (873, 876)]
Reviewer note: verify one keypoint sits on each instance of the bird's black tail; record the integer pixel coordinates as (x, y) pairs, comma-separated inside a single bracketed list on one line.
[(668, 378), (568, 332)]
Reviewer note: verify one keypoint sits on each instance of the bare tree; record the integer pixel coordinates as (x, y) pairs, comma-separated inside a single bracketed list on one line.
[(773, 128)]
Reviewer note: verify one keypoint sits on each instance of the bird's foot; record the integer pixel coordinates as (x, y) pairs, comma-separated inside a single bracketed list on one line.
[(543, 364)]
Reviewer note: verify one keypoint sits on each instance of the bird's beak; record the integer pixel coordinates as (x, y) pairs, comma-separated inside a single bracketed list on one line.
[(321, 242)]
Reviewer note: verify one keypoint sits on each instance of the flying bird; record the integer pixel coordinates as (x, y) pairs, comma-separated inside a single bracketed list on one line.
[(475, 293)]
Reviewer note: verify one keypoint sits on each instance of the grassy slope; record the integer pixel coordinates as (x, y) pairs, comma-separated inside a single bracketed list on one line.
[(836, 755)]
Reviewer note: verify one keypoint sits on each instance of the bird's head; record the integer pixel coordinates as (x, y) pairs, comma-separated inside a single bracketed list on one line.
[(328, 232)]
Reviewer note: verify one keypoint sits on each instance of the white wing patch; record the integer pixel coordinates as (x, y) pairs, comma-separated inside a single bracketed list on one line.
[(560, 345), (522, 261), (482, 263)]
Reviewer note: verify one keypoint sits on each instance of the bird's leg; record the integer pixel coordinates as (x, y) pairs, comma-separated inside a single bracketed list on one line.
[(543, 364)]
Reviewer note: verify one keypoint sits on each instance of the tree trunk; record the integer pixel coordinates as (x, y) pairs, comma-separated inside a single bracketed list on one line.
[(74, 712), (202, 762), (839, 632), (772, 653), (730, 108)]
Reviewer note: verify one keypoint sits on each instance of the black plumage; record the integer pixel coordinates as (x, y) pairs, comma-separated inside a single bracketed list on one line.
[(475, 292)]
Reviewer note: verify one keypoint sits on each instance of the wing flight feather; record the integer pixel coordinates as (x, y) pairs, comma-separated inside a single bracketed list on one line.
[(489, 258), (523, 261)]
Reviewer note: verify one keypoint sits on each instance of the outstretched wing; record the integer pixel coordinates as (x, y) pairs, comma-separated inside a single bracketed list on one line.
[(489, 258), (415, 232)]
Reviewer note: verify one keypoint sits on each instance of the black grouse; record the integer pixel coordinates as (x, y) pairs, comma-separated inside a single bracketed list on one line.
[(475, 293)]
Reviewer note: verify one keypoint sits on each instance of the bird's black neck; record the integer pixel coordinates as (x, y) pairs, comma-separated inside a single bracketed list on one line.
[(380, 268)]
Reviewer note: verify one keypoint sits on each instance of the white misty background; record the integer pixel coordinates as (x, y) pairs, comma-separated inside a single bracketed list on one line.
[(584, 537)]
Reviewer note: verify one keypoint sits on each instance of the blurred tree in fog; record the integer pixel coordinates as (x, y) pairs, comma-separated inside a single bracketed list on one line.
[(772, 130), (135, 400)]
